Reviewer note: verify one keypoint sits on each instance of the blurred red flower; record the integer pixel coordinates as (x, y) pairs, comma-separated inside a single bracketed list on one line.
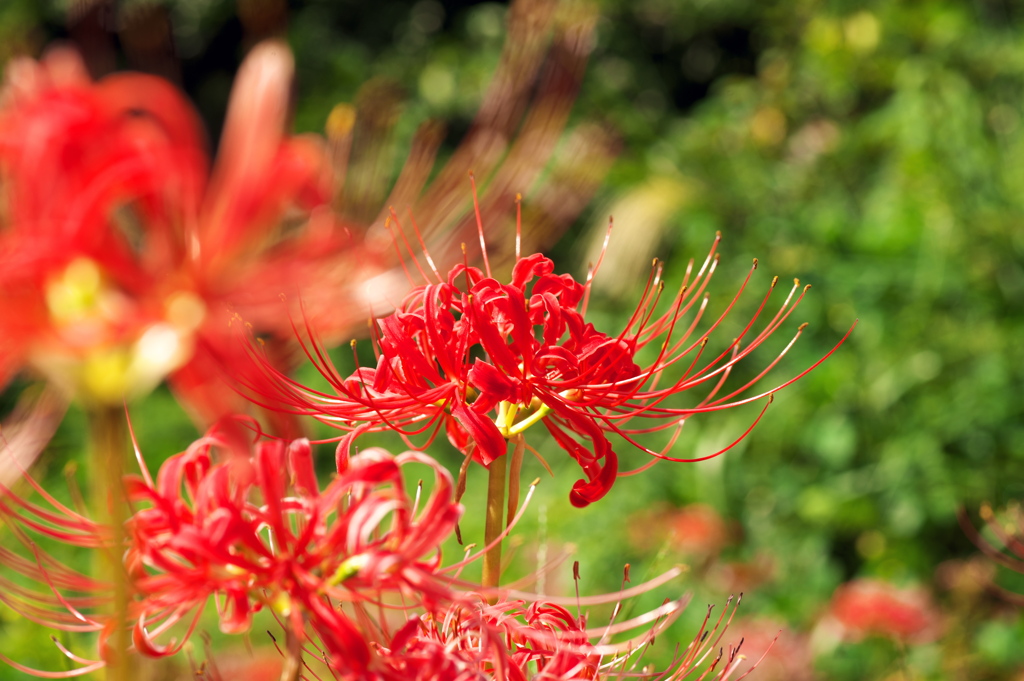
[(737, 576), (121, 252), (789, 655), (260, 664), (697, 529), (871, 607)]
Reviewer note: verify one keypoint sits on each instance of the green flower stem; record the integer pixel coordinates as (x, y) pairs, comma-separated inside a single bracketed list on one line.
[(494, 520), (514, 474), (292, 669), (108, 448)]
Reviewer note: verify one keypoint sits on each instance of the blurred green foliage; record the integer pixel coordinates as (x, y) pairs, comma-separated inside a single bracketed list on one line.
[(874, 149)]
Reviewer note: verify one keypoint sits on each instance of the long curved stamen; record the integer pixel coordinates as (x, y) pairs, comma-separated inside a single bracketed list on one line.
[(480, 225)]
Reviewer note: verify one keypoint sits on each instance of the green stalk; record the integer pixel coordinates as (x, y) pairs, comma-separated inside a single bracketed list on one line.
[(494, 520), (108, 447), (514, 474), (292, 668)]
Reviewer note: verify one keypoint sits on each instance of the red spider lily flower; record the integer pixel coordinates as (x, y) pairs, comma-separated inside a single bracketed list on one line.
[(867, 606), (358, 538), (255, 533), (120, 249), (489, 360), (518, 637), (511, 640)]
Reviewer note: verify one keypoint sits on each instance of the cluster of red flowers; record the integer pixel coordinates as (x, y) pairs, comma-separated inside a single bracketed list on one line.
[(122, 253), (254, 530)]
